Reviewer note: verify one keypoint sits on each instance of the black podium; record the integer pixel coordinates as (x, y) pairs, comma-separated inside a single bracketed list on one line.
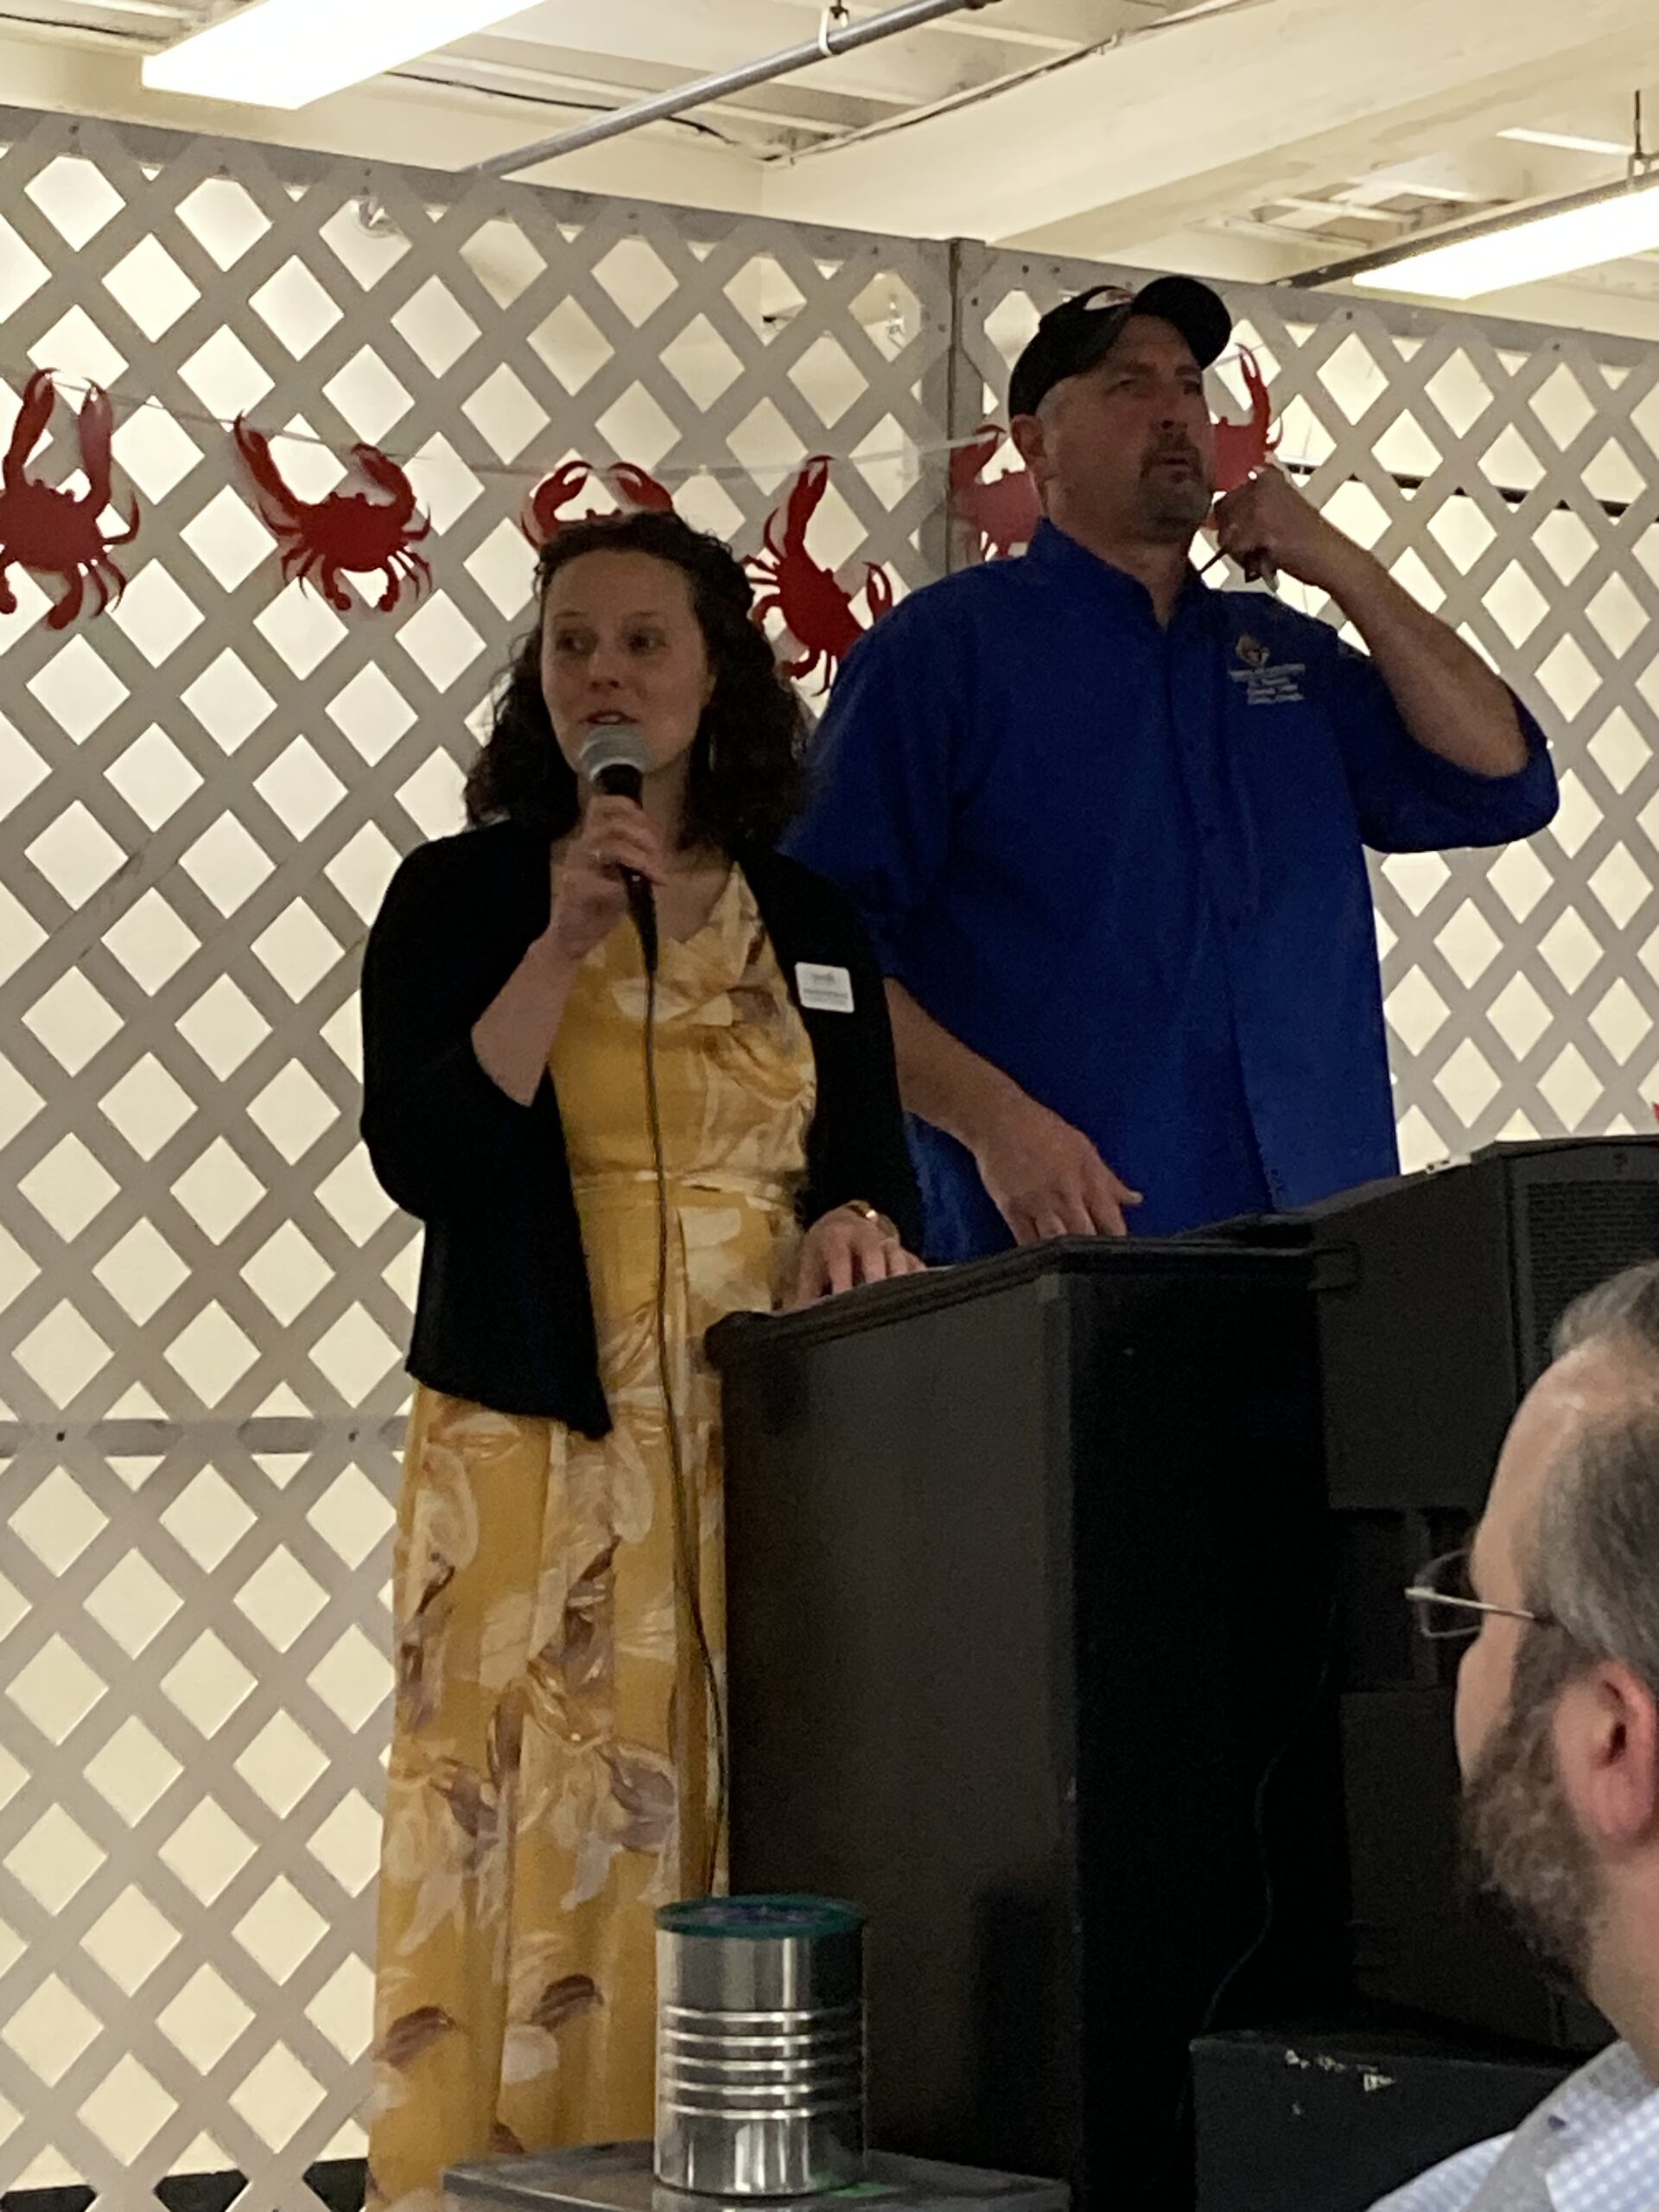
[(1029, 1629)]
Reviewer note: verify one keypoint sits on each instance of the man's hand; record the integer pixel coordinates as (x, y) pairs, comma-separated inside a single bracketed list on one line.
[(1268, 521), (1047, 1180)]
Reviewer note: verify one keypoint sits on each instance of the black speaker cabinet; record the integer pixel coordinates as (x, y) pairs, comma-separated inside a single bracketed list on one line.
[(1329, 2119), (1436, 1297), (1029, 1622), (1438, 1293)]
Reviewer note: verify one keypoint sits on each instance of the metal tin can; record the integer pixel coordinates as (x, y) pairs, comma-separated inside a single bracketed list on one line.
[(760, 2046)]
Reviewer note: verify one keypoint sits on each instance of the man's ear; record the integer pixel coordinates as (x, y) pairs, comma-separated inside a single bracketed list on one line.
[(1606, 1735), (1030, 440)]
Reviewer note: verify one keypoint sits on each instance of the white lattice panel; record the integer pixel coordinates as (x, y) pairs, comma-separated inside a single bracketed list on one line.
[(194, 1670), (1510, 478), (203, 797)]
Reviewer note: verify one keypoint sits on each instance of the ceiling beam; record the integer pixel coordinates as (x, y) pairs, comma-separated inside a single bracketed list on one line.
[(1044, 26), (1218, 114), (617, 79)]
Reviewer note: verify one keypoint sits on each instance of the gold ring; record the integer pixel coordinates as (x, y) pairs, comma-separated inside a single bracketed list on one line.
[(863, 1207)]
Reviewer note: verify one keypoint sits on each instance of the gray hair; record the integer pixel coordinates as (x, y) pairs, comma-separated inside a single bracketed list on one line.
[(1595, 1562)]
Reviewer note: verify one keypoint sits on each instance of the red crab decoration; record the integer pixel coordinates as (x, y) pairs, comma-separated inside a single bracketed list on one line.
[(348, 533), (544, 512), (1001, 511), (817, 613), (1242, 449), (49, 532)]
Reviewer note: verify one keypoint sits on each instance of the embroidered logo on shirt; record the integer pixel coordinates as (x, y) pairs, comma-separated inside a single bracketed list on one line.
[(1267, 683)]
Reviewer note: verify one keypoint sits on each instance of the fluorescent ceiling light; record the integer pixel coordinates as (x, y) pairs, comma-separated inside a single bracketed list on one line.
[(1568, 141), (1549, 241), (286, 52)]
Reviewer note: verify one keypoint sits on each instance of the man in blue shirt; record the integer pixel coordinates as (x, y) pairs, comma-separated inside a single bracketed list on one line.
[(1106, 825)]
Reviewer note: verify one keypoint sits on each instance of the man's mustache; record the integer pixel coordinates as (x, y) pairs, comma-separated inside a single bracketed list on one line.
[(1181, 450)]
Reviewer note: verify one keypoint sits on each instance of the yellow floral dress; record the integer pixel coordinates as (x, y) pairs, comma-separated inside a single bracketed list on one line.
[(552, 1777)]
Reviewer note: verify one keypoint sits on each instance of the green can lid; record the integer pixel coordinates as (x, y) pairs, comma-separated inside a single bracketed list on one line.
[(761, 1918)]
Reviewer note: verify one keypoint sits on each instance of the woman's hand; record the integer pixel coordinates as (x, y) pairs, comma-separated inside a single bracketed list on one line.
[(589, 896), (852, 1244)]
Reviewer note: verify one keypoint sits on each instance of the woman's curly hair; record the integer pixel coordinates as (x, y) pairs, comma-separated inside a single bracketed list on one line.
[(745, 778)]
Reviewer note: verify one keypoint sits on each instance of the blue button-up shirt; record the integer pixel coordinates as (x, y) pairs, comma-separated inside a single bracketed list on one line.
[(1124, 863)]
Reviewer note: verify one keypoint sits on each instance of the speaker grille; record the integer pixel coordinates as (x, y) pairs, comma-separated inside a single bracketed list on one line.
[(1574, 1235)]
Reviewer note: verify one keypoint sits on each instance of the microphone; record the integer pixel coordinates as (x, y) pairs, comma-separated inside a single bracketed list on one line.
[(615, 760)]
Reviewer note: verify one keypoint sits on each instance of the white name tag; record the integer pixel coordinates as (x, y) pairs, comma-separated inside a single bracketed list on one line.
[(825, 990)]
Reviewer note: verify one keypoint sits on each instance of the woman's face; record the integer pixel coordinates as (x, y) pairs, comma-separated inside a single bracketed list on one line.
[(621, 642)]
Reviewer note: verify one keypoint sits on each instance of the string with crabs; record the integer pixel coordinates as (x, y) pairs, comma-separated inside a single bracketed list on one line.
[(376, 532)]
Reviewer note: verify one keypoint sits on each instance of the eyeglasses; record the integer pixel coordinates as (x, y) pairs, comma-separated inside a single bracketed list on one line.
[(1443, 1601)]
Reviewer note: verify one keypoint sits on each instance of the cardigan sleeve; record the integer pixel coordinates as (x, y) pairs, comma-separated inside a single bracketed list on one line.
[(440, 1134)]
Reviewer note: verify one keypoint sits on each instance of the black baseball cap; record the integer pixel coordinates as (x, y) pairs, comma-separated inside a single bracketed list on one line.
[(1073, 336)]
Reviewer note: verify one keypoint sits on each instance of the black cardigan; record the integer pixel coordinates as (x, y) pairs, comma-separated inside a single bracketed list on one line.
[(504, 1316)]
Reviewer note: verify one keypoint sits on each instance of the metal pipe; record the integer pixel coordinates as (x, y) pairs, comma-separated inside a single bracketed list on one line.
[(975, 95), (834, 38)]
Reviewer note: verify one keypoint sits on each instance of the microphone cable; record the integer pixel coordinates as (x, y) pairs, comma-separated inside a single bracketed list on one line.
[(687, 1521)]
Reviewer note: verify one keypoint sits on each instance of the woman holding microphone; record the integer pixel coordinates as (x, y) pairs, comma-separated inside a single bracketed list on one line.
[(605, 1163)]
